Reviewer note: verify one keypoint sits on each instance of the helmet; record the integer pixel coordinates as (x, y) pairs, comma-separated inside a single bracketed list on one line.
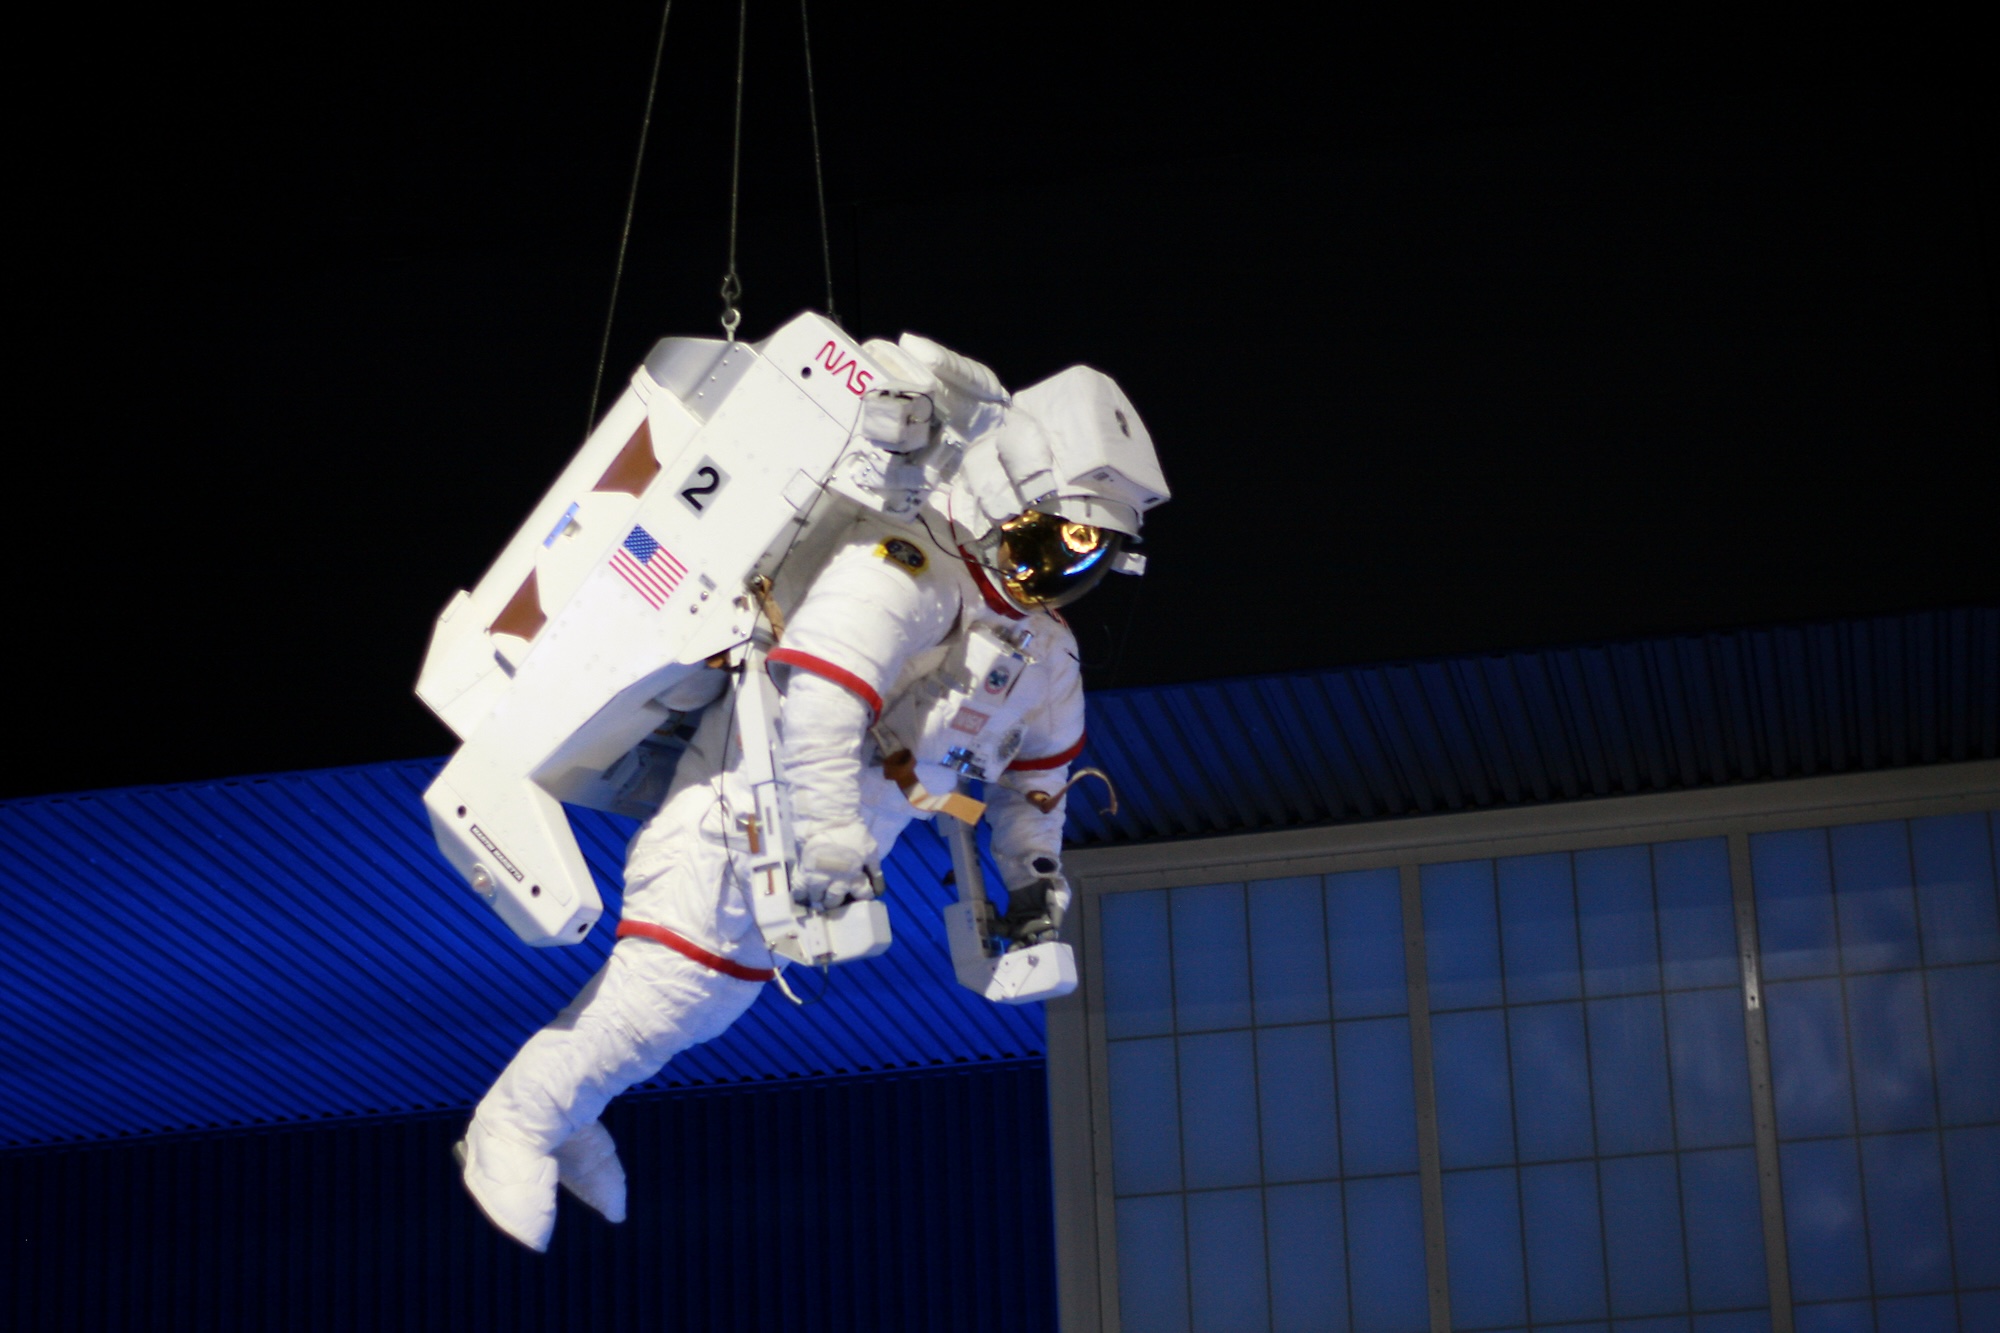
[(1072, 445), (1060, 488), (1045, 560)]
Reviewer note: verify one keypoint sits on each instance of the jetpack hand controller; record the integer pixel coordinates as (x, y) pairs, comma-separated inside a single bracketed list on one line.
[(1045, 971)]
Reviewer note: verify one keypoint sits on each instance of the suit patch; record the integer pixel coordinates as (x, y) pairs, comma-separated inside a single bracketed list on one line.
[(903, 554), (1011, 745), (970, 721)]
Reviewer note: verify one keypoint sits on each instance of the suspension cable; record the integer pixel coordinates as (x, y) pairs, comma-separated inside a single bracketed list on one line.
[(732, 285), (819, 177), (625, 234)]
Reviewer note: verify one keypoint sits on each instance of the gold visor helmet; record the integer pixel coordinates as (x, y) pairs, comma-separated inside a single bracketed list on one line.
[(1046, 561)]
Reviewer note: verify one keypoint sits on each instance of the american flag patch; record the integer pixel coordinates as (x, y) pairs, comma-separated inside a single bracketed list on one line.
[(649, 567)]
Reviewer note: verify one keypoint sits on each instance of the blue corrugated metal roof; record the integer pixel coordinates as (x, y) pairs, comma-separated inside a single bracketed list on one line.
[(1520, 728), (275, 949)]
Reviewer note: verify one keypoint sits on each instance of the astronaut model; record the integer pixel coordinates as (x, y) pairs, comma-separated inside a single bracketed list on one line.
[(907, 642)]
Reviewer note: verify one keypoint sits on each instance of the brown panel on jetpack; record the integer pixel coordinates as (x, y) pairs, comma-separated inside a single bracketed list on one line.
[(634, 468), (523, 617)]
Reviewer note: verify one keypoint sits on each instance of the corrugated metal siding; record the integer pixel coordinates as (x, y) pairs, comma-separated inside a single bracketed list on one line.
[(1562, 724), (916, 1202), (237, 954)]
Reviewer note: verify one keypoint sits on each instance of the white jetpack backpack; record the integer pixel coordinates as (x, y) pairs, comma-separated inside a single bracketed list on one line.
[(712, 490)]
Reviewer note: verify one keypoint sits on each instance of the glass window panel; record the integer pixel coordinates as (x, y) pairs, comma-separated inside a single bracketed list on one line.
[(1965, 1022), (1697, 912), (1823, 1234), (1978, 1311), (1972, 1166), (1145, 1119), (1836, 1317), (1628, 1066), (1953, 861), (1308, 1259), (1907, 1240), (1890, 1050), (1482, 1230), (1288, 950), (1725, 1229), (1226, 1262), (1623, 1073), (1808, 1037), (1794, 888), (1614, 895), (1211, 958), (1874, 895), (1642, 1235), (1385, 1247), (1152, 1265), (1538, 928), (1364, 931), (1736, 1321), (1378, 1114), (1565, 1242), (1551, 1082), (1469, 1060), (1138, 982), (1917, 1314), (1218, 1110), (1710, 1066), (1295, 1103), (1461, 934)]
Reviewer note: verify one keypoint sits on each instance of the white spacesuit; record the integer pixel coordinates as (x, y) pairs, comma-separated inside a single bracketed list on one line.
[(918, 655)]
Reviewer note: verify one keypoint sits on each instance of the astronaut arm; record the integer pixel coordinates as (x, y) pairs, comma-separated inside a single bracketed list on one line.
[(819, 757), (1027, 844), (848, 641), (1026, 804)]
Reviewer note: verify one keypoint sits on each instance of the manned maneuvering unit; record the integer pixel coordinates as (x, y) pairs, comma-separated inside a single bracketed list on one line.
[(707, 499)]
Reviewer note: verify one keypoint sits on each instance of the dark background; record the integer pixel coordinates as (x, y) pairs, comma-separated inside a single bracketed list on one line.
[(1453, 339)]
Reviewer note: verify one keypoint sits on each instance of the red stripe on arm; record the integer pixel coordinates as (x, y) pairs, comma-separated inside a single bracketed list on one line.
[(826, 670), (1047, 761)]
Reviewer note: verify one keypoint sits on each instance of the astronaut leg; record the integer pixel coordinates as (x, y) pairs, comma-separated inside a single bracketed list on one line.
[(646, 1005)]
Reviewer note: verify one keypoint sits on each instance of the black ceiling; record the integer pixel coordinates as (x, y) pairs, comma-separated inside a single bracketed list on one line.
[(1454, 339)]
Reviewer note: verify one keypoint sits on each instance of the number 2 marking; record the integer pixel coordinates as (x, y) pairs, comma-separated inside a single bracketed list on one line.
[(706, 479), (714, 480)]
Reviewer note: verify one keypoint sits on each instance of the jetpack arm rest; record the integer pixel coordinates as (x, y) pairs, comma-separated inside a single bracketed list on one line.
[(513, 844), (1020, 976)]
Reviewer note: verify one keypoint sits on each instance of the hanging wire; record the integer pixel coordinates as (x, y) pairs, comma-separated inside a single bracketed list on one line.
[(732, 285), (625, 235), (819, 177)]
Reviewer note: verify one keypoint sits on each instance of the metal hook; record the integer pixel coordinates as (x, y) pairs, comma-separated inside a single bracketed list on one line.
[(1046, 801), (732, 291)]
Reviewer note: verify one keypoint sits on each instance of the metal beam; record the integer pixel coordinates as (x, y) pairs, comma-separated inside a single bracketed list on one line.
[(1763, 1102), (1612, 821), (1416, 972), (1080, 1184)]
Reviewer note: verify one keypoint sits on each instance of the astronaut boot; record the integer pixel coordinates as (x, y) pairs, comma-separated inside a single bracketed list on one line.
[(513, 1185), (592, 1172)]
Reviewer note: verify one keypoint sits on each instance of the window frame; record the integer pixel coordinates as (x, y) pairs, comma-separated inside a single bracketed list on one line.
[(1079, 1102)]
